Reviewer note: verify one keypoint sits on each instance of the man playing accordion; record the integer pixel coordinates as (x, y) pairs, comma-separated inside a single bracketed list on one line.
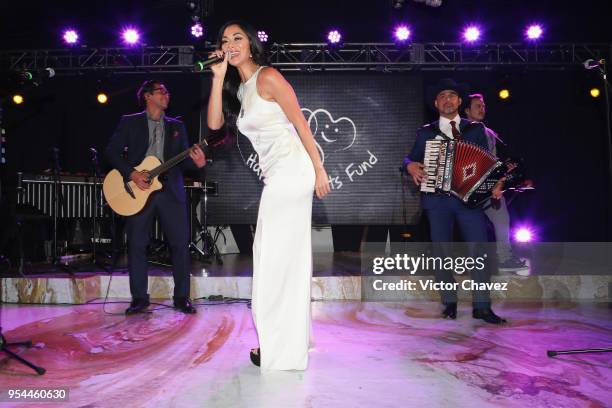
[(444, 210)]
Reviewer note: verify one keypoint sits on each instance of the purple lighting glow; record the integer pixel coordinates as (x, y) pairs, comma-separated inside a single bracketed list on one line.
[(534, 32), (524, 234), (130, 36), (263, 37), (402, 33), (334, 37), (197, 30), (471, 34), (70, 37)]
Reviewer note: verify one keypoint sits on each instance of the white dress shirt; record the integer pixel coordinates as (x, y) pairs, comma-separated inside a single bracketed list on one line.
[(445, 126)]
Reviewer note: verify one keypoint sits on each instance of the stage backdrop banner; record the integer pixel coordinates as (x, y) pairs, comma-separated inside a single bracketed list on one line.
[(364, 124)]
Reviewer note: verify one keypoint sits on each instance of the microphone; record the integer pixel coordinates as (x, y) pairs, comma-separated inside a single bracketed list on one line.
[(201, 65), (93, 150), (591, 63)]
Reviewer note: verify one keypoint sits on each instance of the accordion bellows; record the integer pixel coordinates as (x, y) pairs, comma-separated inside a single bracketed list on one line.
[(457, 167)]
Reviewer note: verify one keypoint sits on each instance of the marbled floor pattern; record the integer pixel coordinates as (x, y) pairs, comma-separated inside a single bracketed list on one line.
[(363, 354)]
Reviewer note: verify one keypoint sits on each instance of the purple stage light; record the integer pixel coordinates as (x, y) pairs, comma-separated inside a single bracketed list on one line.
[(402, 33), (263, 36), (130, 36), (524, 234), (534, 32), (197, 30), (471, 33), (334, 37), (70, 37)]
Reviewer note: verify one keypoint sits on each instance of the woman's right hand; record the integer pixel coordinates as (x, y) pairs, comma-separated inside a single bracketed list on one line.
[(219, 69)]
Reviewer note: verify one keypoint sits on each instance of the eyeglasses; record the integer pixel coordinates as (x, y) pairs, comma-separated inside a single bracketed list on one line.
[(162, 91)]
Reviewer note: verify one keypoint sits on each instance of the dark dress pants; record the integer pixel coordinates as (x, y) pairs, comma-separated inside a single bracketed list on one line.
[(472, 227), (172, 215)]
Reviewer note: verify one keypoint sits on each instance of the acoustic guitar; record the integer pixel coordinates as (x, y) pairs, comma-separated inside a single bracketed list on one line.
[(125, 198)]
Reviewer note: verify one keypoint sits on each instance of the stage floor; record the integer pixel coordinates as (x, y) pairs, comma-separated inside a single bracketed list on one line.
[(363, 354)]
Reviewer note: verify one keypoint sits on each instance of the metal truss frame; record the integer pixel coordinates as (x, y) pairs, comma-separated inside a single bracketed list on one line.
[(313, 57)]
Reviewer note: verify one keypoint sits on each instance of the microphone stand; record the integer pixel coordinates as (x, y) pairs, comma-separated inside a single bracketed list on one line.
[(405, 234), (57, 199), (56, 195), (4, 348), (604, 76), (96, 207), (603, 70)]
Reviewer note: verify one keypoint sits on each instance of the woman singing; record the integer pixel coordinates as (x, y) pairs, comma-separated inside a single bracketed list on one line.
[(261, 104)]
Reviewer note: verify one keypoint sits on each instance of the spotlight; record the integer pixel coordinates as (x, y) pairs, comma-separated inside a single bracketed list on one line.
[(397, 4), (524, 234), (334, 37), (102, 98), (595, 92), (192, 5), (534, 32), (263, 36), (17, 99), (402, 33), (430, 3), (197, 30), (504, 93), (70, 37), (130, 36), (22, 76), (471, 34)]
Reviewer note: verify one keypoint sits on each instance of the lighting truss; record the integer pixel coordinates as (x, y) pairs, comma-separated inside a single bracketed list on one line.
[(314, 57)]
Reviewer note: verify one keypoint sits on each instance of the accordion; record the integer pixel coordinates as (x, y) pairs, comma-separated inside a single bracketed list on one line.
[(460, 168)]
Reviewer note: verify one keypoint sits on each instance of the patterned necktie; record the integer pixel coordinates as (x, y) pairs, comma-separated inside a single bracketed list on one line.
[(456, 133), (157, 132)]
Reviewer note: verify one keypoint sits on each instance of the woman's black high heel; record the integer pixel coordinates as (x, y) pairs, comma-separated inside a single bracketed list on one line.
[(256, 357)]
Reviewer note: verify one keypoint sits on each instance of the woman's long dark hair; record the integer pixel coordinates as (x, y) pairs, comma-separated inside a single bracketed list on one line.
[(231, 105)]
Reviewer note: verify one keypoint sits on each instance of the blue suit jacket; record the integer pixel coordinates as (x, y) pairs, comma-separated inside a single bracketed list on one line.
[(132, 136), (473, 132)]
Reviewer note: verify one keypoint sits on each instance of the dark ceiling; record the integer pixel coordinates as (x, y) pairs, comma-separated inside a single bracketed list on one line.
[(36, 24)]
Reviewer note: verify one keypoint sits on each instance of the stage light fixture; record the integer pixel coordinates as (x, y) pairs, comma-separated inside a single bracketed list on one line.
[(197, 30), (471, 34), (534, 32), (504, 93), (402, 33), (397, 4), (263, 36), (18, 99), (70, 37), (130, 36), (524, 234), (334, 37), (192, 5), (595, 92), (24, 76), (430, 3), (102, 98)]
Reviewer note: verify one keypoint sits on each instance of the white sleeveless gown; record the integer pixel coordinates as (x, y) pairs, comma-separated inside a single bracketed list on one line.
[(282, 250)]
